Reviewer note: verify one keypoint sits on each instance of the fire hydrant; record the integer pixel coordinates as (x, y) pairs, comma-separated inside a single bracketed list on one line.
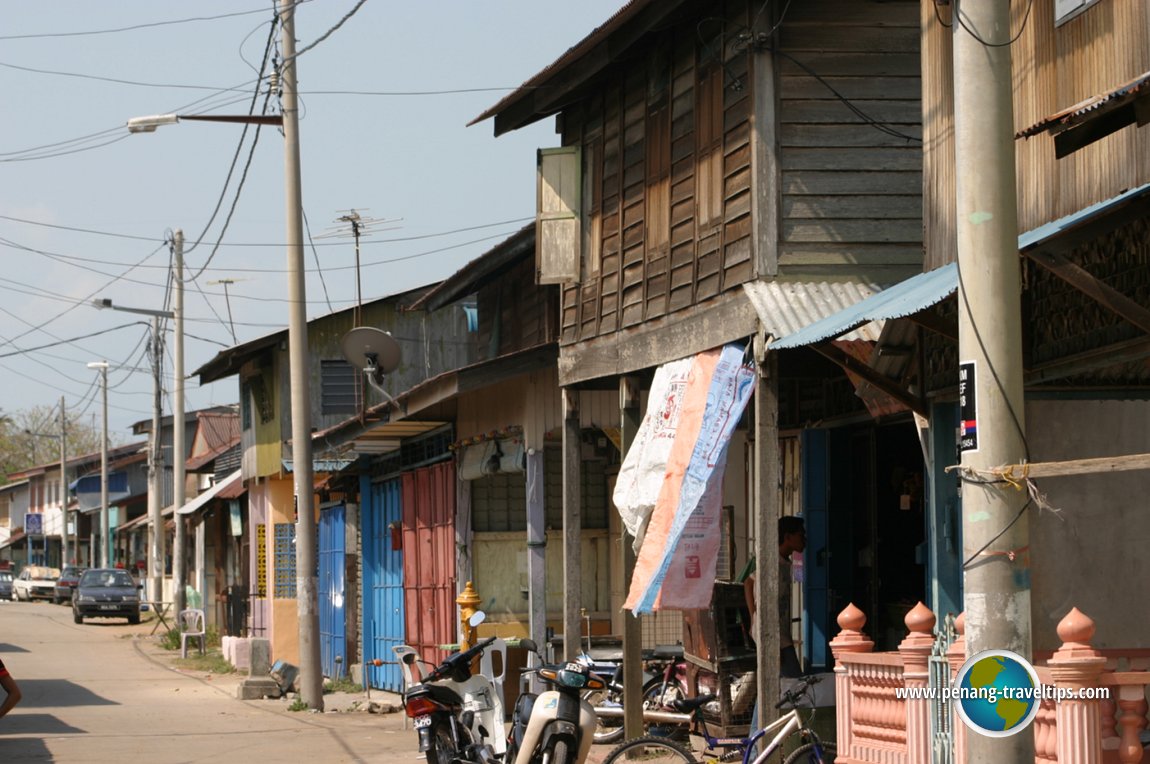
[(468, 602)]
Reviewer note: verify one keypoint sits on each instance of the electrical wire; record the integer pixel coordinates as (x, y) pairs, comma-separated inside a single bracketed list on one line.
[(67, 341), (135, 27), (114, 80), (318, 267), (957, 16), (329, 32), (70, 152)]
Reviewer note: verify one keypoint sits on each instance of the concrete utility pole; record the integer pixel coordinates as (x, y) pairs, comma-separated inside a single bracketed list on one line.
[(105, 536), (995, 529), (63, 484), (180, 543), (155, 471), (307, 585)]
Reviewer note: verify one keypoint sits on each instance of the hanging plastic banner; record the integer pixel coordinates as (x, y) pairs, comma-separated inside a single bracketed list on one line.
[(680, 546)]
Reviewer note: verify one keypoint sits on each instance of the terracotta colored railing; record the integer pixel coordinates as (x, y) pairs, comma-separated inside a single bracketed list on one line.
[(877, 727)]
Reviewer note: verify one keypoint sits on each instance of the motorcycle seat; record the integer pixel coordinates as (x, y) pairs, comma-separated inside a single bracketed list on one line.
[(667, 651), (438, 693), (687, 705)]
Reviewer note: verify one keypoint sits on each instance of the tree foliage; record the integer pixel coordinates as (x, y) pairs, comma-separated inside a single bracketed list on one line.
[(30, 438)]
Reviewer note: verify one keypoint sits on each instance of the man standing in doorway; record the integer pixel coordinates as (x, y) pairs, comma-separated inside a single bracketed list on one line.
[(792, 538)]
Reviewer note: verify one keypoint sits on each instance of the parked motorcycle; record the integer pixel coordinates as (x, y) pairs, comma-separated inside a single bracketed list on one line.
[(458, 715), (558, 725)]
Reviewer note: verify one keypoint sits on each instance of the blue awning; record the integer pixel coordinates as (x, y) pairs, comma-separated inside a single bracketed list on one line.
[(903, 299)]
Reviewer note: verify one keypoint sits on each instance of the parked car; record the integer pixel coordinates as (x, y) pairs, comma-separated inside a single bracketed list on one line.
[(6, 586), (67, 582), (106, 592), (36, 582)]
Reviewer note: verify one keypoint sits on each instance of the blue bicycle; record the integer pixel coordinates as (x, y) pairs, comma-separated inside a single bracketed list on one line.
[(651, 749)]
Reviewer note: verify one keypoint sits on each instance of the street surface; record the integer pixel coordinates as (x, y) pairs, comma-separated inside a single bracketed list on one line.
[(105, 692)]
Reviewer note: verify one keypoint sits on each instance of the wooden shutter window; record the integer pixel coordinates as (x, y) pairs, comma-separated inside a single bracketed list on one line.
[(557, 223)]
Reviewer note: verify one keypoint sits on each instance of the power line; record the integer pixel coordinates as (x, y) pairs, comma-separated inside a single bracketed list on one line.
[(135, 27), (69, 340)]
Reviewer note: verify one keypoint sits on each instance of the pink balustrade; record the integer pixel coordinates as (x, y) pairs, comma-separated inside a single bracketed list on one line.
[(876, 726)]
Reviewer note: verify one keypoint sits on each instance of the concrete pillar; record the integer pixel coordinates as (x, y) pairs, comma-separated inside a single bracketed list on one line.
[(1075, 666), (915, 651), (850, 639)]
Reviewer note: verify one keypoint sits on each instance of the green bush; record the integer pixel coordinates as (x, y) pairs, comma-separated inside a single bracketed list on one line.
[(342, 684)]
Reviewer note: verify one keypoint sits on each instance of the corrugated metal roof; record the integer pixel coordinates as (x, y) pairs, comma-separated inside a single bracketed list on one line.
[(1071, 116), (900, 300), (1052, 229), (787, 307)]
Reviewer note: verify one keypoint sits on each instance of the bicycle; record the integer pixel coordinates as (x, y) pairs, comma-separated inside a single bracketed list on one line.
[(652, 749)]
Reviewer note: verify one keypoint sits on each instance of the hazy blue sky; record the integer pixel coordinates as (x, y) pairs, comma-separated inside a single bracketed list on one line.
[(85, 208)]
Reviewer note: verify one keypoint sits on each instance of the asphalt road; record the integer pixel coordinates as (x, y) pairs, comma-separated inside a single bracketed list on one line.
[(104, 692)]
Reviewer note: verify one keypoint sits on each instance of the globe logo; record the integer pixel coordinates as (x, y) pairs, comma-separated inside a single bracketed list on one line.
[(997, 693)]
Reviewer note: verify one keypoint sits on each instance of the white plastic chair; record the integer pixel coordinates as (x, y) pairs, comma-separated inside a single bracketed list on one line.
[(487, 668), (191, 623)]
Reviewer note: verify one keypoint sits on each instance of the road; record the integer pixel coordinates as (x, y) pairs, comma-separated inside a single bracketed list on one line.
[(103, 691)]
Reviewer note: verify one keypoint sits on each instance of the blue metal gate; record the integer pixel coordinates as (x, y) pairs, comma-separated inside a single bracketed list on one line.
[(383, 617), (332, 622)]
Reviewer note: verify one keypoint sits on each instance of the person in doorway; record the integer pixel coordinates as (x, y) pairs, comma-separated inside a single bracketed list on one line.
[(792, 538), (11, 688)]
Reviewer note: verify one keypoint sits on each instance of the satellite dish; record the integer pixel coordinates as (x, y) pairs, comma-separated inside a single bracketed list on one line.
[(375, 353), (366, 347)]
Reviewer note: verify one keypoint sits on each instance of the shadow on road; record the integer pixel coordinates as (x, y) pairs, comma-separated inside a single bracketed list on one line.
[(41, 693), (9, 648), (32, 724)]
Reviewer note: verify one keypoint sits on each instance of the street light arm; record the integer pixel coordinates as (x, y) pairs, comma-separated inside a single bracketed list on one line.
[(104, 302), (150, 123)]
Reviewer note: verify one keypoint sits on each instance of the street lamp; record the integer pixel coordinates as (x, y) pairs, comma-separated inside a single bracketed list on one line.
[(311, 678), (155, 457), (106, 537)]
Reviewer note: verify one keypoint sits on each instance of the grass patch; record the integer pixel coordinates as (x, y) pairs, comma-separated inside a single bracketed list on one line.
[(297, 705), (211, 663), (343, 684), (171, 639)]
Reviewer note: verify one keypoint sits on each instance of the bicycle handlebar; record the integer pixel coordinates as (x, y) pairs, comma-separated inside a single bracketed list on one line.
[(791, 697)]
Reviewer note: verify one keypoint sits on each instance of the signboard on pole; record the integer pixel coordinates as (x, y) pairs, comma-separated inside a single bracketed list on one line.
[(34, 524), (968, 408)]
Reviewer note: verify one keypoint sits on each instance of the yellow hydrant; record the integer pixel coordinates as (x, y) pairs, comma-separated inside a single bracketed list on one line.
[(468, 602)]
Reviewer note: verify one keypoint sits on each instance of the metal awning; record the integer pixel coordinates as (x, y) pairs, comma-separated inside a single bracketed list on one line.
[(210, 494), (786, 307), (901, 300)]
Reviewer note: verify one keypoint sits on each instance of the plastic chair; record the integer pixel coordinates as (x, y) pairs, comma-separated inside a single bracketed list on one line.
[(191, 623), (487, 668)]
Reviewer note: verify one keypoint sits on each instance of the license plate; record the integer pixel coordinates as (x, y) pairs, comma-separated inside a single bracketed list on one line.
[(109, 607), (421, 722)]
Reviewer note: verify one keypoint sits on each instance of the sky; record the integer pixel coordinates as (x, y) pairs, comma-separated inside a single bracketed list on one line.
[(86, 208)]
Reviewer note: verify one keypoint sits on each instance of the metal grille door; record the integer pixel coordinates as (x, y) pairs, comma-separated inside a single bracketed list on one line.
[(941, 713), (332, 622), (429, 558)]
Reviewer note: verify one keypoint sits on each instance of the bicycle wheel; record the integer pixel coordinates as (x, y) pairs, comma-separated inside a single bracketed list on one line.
[(656, 697), (806, 754), (650, 750)]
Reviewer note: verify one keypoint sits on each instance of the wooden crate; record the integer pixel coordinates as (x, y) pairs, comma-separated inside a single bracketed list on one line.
[(721, 656)]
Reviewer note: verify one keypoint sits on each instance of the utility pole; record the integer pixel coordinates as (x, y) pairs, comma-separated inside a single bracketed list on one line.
[(63, 484), (311, 678), (156, 472), (995, 528), (180, 544), (105, 537)]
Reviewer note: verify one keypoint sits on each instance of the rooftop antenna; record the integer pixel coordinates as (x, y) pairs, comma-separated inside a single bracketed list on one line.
[(353, 224), (228, 302)]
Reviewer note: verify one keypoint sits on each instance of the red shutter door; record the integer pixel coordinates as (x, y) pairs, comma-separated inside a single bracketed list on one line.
[(429, 558)]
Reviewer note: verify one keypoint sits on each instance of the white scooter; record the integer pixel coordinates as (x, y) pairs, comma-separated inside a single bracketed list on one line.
[(556, 726), (458, 715)]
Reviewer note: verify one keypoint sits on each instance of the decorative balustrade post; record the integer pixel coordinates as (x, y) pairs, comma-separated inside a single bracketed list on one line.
[(915, 651), (850, 639), (1076, 666), (956, 656)]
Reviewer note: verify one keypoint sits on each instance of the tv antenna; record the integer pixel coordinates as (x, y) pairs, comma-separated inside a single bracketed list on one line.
[(228, 302), (374, 352), (355, 225)]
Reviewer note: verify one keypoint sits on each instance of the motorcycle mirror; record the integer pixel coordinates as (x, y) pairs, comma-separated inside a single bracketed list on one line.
[(529, 645), (478, 618)]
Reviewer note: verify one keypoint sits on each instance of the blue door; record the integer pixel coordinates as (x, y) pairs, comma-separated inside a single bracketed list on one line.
[(944, 515), (332, 623), (383, 616), (816, 574)]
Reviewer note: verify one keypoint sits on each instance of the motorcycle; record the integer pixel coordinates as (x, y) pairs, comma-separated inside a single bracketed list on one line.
[(558, 725), (457, 714)]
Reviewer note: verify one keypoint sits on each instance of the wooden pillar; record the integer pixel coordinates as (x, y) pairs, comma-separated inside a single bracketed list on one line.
[(572, 523), (1075, 666), (766, 512), (956, 656), (536, 548), (915, 651), (850, 639), (630, 417)]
